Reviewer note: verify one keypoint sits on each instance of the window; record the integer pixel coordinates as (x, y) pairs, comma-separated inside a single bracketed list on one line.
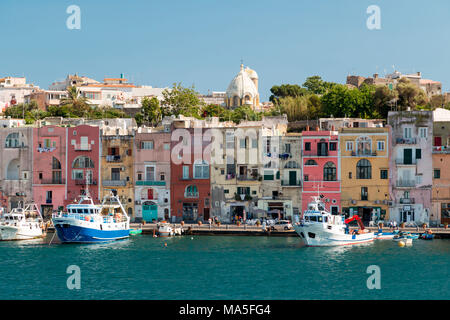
[(185, 172), (364, 193), (437, 174), (363, 169), (243, 143), (380, 145), (307, 146), (254, 143), (333, 146), (350, 175), (349, 146), (201, 169), (12, 140), (82, 162), (329, 172), (243, 190), (230, 139), (322, 148), (445, 210), (407, 133), (383, 174), (191, 192), (166, 146), (291, 165), (162, 177), (310, 163), (287, 148), (149, 173), (306, 177), (56, 165), (418, 153), (77, 175), (115, 173), (364, 145), (268, 175), (147, 145), (423, 132)]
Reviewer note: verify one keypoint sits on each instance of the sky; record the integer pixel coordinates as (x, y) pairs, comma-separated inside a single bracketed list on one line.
[(202, 42)]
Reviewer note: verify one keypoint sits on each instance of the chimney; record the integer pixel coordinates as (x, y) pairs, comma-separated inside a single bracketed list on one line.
[(375, 75), (419, 73)]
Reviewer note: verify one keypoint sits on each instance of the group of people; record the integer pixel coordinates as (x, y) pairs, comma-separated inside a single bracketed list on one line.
[(393, 225)]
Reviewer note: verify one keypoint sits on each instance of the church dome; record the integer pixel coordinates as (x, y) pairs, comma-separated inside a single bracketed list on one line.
[(251, 73), (242, 85)]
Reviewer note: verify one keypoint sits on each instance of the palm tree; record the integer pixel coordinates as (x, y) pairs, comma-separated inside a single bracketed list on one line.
[(78, 104)]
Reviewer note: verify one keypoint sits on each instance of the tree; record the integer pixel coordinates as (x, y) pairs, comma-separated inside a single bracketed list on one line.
[(286, 90), (384, 99), (245, 113), (151, 110), (179, 100), (407, 93), (78, 104), (437, 101), (316, 85), (215, 110)]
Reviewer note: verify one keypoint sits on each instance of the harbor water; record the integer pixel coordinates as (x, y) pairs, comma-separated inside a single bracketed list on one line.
[(216, 267)]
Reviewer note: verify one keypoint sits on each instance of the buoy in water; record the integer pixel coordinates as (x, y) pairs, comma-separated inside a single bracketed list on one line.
[(192, 238), (165, 244), (401, 243)]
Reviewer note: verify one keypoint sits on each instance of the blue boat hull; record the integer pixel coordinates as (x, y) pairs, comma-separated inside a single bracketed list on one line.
[(76, 234)]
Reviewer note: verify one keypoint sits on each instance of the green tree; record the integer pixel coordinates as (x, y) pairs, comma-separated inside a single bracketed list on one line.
[(437, 101), (245, 113), (215, 110), (316, 85), (286, 90), (151, 110), (180, 100), (384, 99), (78, 105)]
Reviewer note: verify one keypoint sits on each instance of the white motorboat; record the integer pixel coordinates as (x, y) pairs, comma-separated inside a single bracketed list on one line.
[(22, 223), (165, 229), (319, 228)]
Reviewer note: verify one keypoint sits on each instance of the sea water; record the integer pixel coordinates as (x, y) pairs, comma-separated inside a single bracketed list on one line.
[(216, 267)]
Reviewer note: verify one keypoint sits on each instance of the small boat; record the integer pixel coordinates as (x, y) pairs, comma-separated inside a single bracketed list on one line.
[(319, 228), (86, 222), (402, 236), (380, 235), (134, 232), (427, 235), (165, 229), (22, 224)]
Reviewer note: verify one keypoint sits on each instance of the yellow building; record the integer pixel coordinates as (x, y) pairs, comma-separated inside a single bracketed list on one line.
[(364, 165), (116, 168)]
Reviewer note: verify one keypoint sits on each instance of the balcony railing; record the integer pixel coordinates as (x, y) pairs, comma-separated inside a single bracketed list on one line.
[(52, 181), (113, 158), (406, 141), (191, 194), (248, 177), (83, 182), (364, 153), (83, 147), (407, 201), (287, 183), (114, 183), (230, 176), (441, 149), (150, 183), (402, 162), (406, 183), (315, 153)]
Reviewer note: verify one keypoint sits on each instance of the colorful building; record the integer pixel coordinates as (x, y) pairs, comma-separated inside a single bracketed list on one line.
[(440, 211), (117, 165), (49, 168), (321, 169), (364, 166), (152, 174), (411, 166), (83, 162), (16, 166)]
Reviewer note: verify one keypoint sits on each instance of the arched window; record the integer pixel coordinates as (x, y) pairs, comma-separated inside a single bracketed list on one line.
[(364, 146), (82, 162), (12, 172), (235, 101), (292, 165), (13, 141), (363, 169), (201, 169), (56, 165), (310, 163), (191, 192), (329, 172)]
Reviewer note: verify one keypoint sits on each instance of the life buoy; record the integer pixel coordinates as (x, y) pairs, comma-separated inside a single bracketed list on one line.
[(86, 218)]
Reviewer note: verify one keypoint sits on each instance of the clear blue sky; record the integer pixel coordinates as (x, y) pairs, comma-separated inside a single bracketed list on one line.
[(202, 42)]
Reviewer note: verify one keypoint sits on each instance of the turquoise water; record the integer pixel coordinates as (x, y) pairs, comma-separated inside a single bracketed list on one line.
[(205, 267)]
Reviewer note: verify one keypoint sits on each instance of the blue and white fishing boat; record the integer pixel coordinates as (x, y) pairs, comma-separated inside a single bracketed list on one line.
[(86, 222)]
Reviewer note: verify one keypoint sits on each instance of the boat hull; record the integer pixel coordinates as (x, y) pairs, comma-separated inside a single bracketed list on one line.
[(314, 236), (77, 234), (18, 233), (385, 236)]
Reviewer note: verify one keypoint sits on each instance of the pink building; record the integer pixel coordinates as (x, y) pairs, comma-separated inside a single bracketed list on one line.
[(83, 161), (320, 169), (49, 168)]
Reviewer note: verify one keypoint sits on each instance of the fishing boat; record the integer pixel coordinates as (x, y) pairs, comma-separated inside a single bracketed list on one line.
[(402, 235), (135, 232), (319, 227), (22, 223), (380, 235), (87, 222), (165, 229)]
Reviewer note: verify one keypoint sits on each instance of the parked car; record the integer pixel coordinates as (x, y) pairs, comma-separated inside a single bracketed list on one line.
[(282, 225)]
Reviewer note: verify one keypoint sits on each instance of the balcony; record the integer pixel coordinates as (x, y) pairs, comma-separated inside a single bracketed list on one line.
[(150, 183), (312, 153), (401, 162), (113, 158), (406, 141), (368, 153), (248, 177), (191, 194), (52, 181), (406, 183), (83, 147), (287, 183), (441, 149), (82, 182), (114, 183), (407, 201), (230, 176)]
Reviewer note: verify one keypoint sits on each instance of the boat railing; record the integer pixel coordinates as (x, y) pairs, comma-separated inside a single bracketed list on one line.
[(89, 217)]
